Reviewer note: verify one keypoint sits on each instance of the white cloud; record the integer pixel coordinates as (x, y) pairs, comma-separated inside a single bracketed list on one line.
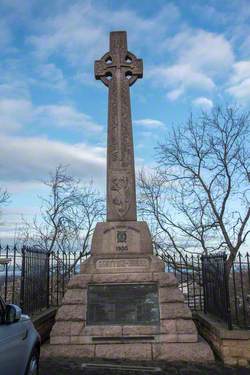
[(202, 50), (79, 32), (241, 91), (203, 102), (198, 58), (18, 113), (50, 75), (150, 123), (66, 116), (13, 113), (179, 78), (16, 186), (239, 85), (28, 159)]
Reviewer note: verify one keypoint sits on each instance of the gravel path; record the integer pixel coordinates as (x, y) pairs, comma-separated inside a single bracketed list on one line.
[(66, 366)]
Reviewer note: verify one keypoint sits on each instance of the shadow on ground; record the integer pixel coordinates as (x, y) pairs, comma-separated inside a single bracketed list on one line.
[(66, 366)]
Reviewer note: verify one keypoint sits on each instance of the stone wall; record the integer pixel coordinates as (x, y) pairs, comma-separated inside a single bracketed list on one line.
[(231, 346), (44, 321)]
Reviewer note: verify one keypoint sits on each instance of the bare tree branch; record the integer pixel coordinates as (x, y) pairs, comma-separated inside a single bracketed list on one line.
[(67, 216), (199, 192)]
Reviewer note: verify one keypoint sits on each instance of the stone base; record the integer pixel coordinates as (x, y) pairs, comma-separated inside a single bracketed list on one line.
[(198, 352), (174, 338), (231, 346)]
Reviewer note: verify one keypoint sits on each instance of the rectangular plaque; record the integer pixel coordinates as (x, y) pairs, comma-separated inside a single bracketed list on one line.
[(130, 304), (122, 263)]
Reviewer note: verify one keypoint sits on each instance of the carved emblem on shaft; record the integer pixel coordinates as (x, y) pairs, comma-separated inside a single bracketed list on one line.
[(118, 69), (121, 194)]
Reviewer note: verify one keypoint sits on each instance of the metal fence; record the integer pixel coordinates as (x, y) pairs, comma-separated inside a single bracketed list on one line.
[(188, 271), (215, 287), (239, 291), (34, 279), (34, 290), (208, 288)]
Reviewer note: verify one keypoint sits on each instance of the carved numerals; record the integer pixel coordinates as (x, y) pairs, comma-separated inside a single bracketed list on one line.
[(121, 239)]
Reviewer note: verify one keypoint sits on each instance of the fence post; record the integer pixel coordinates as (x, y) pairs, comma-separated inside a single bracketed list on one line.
[(227, 296), (6, 276), (203, 275), (48, 279), (22, 292)]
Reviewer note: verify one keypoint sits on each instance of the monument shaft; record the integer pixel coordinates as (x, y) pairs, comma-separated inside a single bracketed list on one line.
[(123, 305), (119, 69)]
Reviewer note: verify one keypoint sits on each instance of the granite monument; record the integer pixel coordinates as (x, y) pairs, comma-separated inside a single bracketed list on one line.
[(123, 304)]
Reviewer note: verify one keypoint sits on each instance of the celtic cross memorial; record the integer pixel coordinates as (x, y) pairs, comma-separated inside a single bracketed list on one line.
[(122, 304), (118, 69)]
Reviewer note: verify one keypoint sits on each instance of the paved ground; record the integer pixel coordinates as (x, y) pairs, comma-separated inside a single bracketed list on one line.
[(65, 366)]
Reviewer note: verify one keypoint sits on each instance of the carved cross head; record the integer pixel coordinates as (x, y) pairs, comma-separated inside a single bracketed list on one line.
[(118, 63)]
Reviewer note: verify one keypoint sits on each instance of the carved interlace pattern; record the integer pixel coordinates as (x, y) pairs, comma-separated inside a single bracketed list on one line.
[(118, 69)]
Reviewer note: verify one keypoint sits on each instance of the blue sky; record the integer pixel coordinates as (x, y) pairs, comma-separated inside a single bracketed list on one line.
[(196, 54)]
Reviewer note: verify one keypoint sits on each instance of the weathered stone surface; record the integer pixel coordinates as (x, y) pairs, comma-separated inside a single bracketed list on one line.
[(67, 328), (140, 330), (79, 281), (157, 264), (122, 263), (61, 329), (174, 337), (61, 340), (174, 311), (190, 352), (114, 265), (122, 278), (69, 351), (243, 362), (167, 338), (189, 337), (231, 346), (171, 294), (71, 312), (121, 200), (168, 326), (75, 296), (165, 279), (103, 330), (185, 326), (138, 239), (77, 328), (135, 351), (79, 340), (87, 266)]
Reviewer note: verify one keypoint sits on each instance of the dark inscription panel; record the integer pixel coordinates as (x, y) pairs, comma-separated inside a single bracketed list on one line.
[(123, 304)]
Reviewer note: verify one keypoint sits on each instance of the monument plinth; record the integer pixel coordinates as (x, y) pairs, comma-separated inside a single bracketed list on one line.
[(123, 304)]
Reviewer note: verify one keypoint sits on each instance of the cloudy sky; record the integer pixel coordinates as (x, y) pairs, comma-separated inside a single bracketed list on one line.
[(52, 111)]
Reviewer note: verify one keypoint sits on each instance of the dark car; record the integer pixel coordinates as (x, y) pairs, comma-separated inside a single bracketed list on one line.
[(19, 342)]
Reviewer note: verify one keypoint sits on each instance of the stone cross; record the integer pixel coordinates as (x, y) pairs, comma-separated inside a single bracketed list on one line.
[(118, 69)]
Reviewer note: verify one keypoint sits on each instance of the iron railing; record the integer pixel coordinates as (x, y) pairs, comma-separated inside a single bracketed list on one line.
[(239, 291), (215, 287), (208, 288), (34, 279), (188, 271)]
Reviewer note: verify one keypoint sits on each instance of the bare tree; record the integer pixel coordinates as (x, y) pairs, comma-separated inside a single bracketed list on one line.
[(4, 198), (198, 197), (68, 215)]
